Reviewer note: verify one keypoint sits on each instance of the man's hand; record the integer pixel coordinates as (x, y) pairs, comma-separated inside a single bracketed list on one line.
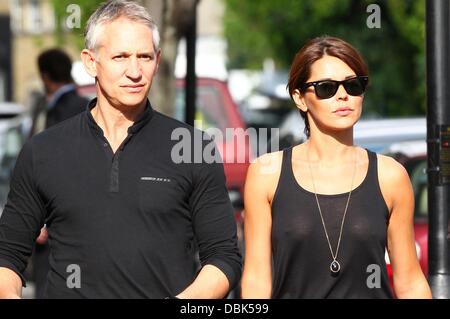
[(43, 236)]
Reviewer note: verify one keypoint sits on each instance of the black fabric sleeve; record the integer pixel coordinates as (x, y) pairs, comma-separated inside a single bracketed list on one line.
[(22, 217), (213, 219)]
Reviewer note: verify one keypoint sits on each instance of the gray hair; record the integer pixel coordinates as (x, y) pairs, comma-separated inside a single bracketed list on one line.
[(114, 9)]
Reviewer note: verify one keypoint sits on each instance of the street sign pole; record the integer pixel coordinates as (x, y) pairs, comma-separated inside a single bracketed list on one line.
[(191, 77), (438, 139)]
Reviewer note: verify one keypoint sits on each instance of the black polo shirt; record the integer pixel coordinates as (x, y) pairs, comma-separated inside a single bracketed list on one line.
[(133, 224)]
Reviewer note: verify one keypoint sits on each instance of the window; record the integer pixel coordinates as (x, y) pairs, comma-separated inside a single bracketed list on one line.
[(209, 109), (35, 25), (16, 16), (32, 16)]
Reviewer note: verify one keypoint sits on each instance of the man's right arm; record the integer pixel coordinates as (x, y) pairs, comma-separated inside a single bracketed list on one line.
[(10, 284)]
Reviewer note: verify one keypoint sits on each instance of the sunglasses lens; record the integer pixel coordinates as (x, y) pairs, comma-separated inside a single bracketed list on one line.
[(326, 89), (354, 86)]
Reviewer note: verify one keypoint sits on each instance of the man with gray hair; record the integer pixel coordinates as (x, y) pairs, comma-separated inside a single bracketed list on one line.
[(124, 220)]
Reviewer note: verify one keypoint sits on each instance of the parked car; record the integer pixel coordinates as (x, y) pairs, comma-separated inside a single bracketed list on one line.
[(377, 135), (14, 127), (216, 108), (416, 167), (264, 112), (412, 155)]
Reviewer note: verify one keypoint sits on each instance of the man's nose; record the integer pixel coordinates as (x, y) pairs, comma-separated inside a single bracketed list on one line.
[(134, 69)]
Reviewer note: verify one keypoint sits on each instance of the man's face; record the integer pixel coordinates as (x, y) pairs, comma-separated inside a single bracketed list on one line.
[(126, 63)]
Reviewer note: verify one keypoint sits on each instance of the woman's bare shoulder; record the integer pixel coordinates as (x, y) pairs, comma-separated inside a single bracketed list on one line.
[(264, 172), (393, 178), (389, 168), (269, 163)]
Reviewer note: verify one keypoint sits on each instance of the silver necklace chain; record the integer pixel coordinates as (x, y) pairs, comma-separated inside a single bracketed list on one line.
[(335, 266)]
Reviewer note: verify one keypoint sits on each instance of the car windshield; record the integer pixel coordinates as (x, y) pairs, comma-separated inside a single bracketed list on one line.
[(209, 108)]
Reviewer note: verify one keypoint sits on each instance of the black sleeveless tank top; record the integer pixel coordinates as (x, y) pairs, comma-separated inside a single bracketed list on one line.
[(301, 255)]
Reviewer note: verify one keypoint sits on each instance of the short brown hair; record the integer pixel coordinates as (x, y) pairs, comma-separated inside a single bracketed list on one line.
[(314, 50)]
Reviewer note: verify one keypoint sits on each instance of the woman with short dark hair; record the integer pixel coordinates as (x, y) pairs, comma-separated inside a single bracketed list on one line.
[(320, 215)]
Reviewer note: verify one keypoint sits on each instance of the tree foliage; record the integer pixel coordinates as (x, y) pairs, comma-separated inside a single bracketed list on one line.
[(87, 7), (395, 52), (174, 18)]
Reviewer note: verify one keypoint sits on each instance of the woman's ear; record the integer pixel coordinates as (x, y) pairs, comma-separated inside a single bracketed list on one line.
[(88, 59), (299, 100)]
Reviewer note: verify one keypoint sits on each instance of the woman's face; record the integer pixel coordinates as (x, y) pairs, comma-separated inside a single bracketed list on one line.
[(337, 113)]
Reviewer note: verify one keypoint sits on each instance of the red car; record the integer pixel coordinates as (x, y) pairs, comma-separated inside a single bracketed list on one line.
[(216, 109), (416, 167)]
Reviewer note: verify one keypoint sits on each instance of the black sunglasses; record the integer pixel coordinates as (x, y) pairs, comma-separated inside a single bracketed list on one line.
[(327, 88)]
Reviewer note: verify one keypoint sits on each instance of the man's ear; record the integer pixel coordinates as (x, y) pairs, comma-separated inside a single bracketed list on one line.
[(299, 100), (88, 59)]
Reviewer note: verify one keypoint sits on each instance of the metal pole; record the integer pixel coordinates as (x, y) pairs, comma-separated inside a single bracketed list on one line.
[(191, 79), (6, 57), (438, 136)]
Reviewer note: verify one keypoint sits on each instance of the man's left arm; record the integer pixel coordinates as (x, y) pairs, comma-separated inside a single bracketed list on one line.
[(215, 230), (210, 283)]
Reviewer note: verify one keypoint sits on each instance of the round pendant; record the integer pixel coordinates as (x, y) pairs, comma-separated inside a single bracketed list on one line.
[(335, 267)]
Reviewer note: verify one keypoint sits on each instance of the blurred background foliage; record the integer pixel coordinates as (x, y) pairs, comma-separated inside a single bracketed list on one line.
[(87, 8), (395, 52), (257, 30)]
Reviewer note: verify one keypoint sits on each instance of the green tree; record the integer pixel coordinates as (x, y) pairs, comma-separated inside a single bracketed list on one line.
[(173, 17), (408, 17), (64, 34), (256, 30)]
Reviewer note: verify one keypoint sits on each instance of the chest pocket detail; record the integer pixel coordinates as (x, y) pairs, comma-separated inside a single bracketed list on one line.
[(158, 194)]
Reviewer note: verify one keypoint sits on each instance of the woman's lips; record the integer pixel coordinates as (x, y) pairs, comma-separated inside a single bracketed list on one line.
[(343, 111)]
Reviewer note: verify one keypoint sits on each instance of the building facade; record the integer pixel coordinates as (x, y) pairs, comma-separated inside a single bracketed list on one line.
[(31, 30), (32, 25)]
